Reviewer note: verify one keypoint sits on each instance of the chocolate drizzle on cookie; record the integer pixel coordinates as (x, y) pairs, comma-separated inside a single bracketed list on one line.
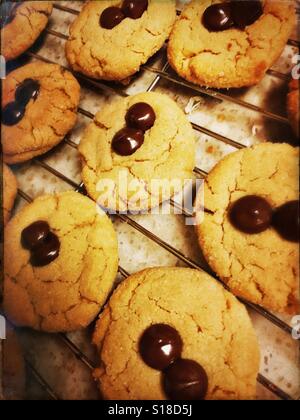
[(14, 111), (253, 214), (139, 118), (113, 16), (235, 13), (160, 347), (43, 244), (8, 12)]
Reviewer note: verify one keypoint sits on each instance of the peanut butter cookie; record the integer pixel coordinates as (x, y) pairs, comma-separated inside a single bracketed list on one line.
[(21, 25), (250, 230), (60, 262), (110, 40), (229, 44), (137, 152), (39, 107), (175, 333)]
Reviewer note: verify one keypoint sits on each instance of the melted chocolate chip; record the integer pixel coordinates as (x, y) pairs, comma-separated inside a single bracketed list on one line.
[(46, 252), (111, 17), (134, 9), (27, 90), (12, 113), (141, 116), (217, 17), (43, 244), (185, 380), (160, 345), (246, 12), (236, 13), (35, 234), (286, 221), (251, 214), (127, 141)]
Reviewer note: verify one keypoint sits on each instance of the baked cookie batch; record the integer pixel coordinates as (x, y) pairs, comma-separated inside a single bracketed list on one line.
[(182, 335)]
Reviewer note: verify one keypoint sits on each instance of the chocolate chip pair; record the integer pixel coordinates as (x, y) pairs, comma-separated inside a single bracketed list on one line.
[(160, 347), (139, 118), (14, 111), (43, 244), (237, 13), (113, 16), (253, 214)]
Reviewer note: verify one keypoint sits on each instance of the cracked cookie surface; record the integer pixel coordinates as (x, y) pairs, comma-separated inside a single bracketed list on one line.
[(230, 58), (118, 53), (10, 188), (263, 267), (31, 18), (68, 293), (47, 119), (215, 329), (167, 154), (293, 105)]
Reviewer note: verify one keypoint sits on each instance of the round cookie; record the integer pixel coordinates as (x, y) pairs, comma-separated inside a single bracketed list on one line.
[(234, 57), (13, 379), (67, 293), (261, 267), (117, 53), (293, 105), (24, 23), (215, 330), (166, 156), (47, 116), (10, 189)]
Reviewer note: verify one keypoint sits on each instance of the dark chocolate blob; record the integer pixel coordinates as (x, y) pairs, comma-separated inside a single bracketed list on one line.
[(245, 12), (34, 234), (237, 13), (127, 141), (12, 113), (27, 90), (251, 214), (160, 345), (46, 252), (134, 9), (286, 221), (111, 17), (141, 116), (185, 380), (217, 17)]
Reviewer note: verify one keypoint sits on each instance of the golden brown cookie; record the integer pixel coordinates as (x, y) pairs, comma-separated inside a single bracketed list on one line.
[(262, 267), (13, 380), (21, 25), (57, 278), (293, 105), (233, 57), (162, 157), (117, 53), (214, 327), (10, 189), (39, 107)]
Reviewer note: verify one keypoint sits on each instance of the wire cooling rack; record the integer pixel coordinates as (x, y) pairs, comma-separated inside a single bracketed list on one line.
[(162, 73)]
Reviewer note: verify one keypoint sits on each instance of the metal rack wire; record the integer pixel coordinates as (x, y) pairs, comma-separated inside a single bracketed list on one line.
[(165, 74)]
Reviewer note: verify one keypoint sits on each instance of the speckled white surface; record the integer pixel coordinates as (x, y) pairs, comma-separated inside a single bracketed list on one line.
[(67, 375)]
